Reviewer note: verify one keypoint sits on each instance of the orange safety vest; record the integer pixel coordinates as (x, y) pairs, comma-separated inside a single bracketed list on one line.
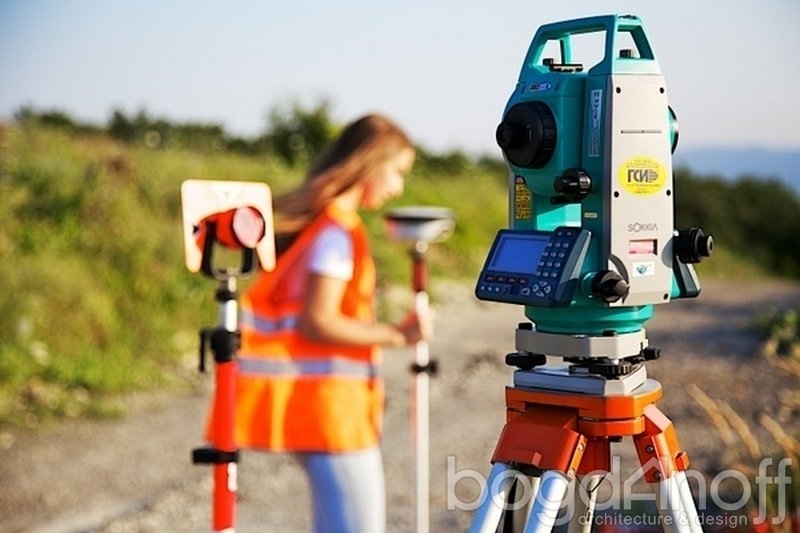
[(296, 395)]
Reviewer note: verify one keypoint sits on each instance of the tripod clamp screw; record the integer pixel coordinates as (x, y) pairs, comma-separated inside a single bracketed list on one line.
[(525, 360), (431, 368), (651, 353), (224, 344), (213, 456)]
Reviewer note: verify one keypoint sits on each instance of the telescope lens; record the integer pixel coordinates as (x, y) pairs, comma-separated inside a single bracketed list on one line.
[(527, 135)]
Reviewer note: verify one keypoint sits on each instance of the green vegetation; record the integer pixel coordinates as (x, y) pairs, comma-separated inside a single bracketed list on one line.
[(97, 300), (750, 216), (781, 333)]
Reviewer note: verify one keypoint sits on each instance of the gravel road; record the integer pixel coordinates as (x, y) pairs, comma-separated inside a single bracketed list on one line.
[(135, 474)]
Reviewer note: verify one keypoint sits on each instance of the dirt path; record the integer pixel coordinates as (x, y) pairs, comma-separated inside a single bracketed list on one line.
[(134, 474)]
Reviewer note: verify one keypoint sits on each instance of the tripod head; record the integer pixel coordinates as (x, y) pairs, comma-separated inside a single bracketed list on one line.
[(592, 245)]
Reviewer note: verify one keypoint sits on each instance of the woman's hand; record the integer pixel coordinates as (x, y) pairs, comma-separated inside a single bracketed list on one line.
[(416, 327)]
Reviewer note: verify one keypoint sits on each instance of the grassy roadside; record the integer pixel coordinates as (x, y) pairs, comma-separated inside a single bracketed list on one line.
[(97, 300)]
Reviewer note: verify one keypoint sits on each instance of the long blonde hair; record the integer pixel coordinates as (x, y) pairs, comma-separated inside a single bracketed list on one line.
[(347, 161)]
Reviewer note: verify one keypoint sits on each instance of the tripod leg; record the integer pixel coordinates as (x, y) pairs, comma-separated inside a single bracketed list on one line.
[(676, 505), (688, 502), (552, 489), (664, 466), (671, 494), (493, 499), (584, 503), (521, 499), (525, 514)]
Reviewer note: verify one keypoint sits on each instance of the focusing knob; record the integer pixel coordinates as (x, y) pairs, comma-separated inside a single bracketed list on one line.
[(609, 286), (574, 185), (527, 134), (692, 245)]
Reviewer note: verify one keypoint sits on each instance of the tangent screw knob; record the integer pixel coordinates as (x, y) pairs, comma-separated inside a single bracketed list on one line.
[(574, 185), (609, 286)]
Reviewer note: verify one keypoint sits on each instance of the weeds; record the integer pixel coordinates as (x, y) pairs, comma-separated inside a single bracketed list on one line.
[(744, 450), (781, 346)]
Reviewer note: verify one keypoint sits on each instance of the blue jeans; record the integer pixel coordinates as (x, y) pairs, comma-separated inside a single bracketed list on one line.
[(348, 491)]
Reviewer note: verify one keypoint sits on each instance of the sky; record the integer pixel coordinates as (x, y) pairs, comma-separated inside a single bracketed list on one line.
[(443, 69)]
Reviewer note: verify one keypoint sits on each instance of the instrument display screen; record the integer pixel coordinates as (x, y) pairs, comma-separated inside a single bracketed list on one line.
[(518, 252)]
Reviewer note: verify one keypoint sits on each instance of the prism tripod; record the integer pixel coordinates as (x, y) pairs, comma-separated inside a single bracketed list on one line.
[(236, 216), (224, 340), (590, 251)]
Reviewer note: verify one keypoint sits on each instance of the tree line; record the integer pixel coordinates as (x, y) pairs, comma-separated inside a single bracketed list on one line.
[(753, 217), (294, 133)]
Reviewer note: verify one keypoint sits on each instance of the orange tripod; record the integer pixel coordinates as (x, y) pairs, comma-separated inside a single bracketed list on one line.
[(556, 435)]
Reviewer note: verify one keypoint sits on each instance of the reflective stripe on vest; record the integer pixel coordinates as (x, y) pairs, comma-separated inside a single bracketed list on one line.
[(309, 365), (266, 325), (327, 366)]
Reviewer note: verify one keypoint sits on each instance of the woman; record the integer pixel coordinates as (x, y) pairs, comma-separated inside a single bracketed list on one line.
[(309, 380)]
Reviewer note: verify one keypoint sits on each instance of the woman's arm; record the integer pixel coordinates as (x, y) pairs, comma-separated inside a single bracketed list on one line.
[(323, 321)]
